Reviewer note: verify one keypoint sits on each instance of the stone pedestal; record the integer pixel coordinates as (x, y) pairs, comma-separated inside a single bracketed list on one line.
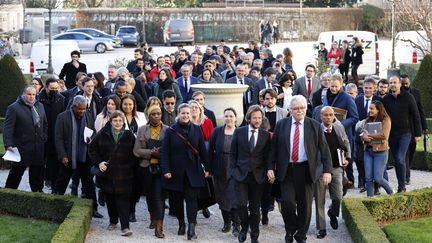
[(218, 97)]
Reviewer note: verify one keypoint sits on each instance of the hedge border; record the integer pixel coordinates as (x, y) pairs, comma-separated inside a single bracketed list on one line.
[(74, 214), (363, 215)]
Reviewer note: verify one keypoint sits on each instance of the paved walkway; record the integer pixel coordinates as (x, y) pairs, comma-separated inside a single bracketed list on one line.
[(208, 230)]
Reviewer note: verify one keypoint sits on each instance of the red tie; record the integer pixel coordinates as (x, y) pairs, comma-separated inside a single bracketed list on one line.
[(309, 87), (328, 130), (295, 151)]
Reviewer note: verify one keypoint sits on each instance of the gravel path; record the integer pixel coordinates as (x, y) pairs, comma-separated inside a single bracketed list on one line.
[(208, 230)]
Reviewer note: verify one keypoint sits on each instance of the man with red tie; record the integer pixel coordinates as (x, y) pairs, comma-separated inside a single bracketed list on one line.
[(302, 139), (306, 86)]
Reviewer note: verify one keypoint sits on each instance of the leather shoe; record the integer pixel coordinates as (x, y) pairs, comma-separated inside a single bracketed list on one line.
[(226, 227), (191, 232), (132, 218), (363, 189), (254, 241), (321, 234), (289, 238), (265, 219), (97, 215), (333, 221), (206, 213), (407, 181), (242, 236), (182, 229), (389, 167), (401, 190), (300, 240)]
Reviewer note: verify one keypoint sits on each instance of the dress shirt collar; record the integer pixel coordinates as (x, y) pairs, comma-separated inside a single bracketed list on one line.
[(324, 128), (293, 122)]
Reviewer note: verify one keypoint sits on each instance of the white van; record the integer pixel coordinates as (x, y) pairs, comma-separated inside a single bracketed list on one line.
[(370, 47), (409, 46), (60, 54)]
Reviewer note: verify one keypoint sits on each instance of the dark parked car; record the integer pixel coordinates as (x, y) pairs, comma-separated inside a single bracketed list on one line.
[(179, 31), (129, 35), (118, 42)]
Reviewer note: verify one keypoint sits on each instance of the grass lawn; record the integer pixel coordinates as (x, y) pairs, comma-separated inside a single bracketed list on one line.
[(17, 229), (417, 230), (1, 145)]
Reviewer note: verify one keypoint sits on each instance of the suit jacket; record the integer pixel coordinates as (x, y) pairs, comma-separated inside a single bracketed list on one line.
[(259, 85), (217, 164), (316, 98), (359, 101), (416, 93), (345, 101), (300, 87), (249, 92), (186, 95), (315, 143), (242, 158), (70, 94)]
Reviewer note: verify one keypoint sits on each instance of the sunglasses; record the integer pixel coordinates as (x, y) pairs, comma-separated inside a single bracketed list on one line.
[(169, 103)]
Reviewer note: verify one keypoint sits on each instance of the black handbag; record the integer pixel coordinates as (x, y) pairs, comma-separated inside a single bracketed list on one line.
[(154, 169)]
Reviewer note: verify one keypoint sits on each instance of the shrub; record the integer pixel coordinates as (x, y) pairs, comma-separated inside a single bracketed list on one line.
[(363, 215), (373, 18), (424, 83), (75, 214), (410, 70), (11, 82)]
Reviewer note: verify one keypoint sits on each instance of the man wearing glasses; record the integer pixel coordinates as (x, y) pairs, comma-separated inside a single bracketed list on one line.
[(169, 112), (210, 65), (71, 69)]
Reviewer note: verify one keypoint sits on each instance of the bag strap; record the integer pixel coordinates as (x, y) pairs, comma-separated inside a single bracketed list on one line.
[(185, 141)]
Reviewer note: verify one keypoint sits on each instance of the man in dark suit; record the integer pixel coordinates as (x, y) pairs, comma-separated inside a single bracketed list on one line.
[(240, 78), (307, 85), (71, 69), (406, 84), (70, 93), (249, 149), (266, 82), (295, 146), (185, 81), (319, 94), (362, 102)]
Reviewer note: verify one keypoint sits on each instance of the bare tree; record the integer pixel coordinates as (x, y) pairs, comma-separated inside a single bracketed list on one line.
[(416, 15)]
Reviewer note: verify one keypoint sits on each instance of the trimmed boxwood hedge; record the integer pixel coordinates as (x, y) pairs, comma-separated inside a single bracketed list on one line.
[(363, 215), (74, 214)]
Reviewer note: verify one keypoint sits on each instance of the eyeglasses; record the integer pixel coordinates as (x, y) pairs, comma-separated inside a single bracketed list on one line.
[(169, 103), (299, 108)]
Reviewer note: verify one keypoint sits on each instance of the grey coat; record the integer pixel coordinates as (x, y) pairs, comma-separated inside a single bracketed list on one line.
[(140, 148)]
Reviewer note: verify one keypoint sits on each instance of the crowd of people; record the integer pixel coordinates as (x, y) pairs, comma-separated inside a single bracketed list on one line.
[(142, 130)]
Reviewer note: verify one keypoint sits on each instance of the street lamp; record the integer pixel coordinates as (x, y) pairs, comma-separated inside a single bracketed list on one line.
[(143, 21), (393, 60), (301, 21), (50, 69)]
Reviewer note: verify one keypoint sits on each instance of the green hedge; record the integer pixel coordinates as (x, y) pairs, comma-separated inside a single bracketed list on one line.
[(363, 215), (74, 214)]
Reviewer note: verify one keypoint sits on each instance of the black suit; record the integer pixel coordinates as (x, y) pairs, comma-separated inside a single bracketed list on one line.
[(70, 71), (297, 179), (248, 168)]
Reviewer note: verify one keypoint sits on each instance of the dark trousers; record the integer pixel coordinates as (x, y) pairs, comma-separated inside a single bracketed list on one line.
[(136, 190), (354, 68), (52, 167), (118, 207), (297, 193), (190, 195), (360, 164), (343, 68), (249, 192), (155, 197), (36, 173), (83, 170), (267, 201), (399, 146), (409, 158)]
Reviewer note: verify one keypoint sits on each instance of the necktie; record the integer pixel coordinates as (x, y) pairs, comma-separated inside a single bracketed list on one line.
[(366, 106), (294, 154), (252, 140), (309, 87), (328, 130), (186, 85), (241, 81)]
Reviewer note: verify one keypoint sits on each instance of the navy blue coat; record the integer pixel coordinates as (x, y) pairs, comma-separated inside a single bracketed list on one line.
[(186, 95), (177, 158)]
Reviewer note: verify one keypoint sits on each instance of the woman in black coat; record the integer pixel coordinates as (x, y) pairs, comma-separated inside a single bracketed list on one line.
[(356, 58), (183, 173), (111, 151), (219, 161)]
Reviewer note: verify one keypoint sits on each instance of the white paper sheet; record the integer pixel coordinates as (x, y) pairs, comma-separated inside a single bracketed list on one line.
[(13, 155), (87, 133)]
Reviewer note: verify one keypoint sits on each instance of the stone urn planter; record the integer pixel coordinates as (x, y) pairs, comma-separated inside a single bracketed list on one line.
[(218, 97)]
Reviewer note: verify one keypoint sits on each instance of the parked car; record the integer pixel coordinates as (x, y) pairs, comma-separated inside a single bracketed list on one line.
[(60, 54), (87, 42), (179, 31), (118, 42), (129, 35)]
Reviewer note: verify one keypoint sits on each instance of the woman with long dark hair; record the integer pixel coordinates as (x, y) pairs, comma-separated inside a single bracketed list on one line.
[(356, 58), (376, 147), (165, 82), (103, 118), (184, 167)]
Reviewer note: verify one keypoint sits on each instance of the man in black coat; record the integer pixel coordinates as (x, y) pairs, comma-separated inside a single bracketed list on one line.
[(25, 128), (249, 149), (70, 93), (295, 146), (345, 60), (71, 69), (406, 84), (53, 103), (71, 146)]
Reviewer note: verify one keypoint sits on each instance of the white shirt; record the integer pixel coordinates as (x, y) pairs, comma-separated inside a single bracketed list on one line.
[(238, 80), (255, 134), (301, 151), (267, 84), (364, 103), (287, 97)]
